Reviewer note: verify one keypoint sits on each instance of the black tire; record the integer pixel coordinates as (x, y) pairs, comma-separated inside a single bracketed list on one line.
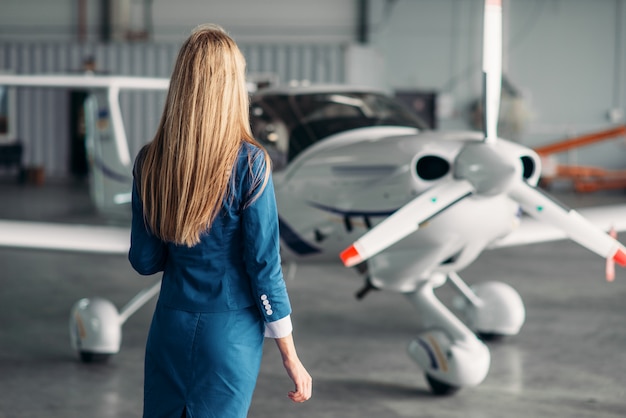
[(89, 357), (440, 388), (490, 336)]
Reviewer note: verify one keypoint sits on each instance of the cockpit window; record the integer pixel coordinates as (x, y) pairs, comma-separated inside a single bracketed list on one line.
[(288, 124)]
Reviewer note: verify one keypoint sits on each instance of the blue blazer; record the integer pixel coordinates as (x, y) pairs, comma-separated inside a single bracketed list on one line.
[(237, 262)]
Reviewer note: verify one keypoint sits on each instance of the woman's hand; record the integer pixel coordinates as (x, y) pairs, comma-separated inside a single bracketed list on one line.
[(295, 370), (301, 378)]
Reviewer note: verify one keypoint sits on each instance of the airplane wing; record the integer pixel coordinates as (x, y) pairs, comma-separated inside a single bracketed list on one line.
[(116, 240), (531, 231), (66, 237)]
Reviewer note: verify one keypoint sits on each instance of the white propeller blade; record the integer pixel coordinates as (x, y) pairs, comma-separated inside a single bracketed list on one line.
[(610, 263), (406, 220), (579, 229), (492, 67)]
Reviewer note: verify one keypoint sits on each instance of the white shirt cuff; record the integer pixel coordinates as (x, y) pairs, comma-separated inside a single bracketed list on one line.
[(279, 329)]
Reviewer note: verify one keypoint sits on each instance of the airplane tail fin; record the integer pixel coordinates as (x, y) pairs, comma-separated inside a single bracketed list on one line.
[(110, 168)]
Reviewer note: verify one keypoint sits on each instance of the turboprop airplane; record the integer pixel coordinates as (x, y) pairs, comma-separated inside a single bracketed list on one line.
[(358, 178)]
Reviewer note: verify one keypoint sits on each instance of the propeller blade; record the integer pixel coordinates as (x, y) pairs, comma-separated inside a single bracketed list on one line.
[(492, 68), (406, 220), (579, 229), (610, 263)]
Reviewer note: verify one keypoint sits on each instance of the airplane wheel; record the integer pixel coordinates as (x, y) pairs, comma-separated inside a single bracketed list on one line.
[(440, 388), (490, 336), (89, 357), (501, 314), (95, 330)]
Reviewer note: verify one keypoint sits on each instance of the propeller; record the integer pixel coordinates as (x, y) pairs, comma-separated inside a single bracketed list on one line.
[(484, 169), (492, 68)]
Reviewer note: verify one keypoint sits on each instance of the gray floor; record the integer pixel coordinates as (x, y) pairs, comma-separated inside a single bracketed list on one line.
[(568, 361)]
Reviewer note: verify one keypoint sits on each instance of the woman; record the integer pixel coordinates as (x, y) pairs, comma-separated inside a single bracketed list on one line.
[(204, 213)]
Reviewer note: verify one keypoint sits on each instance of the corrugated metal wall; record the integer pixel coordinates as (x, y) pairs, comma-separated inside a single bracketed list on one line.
[(43, 115)]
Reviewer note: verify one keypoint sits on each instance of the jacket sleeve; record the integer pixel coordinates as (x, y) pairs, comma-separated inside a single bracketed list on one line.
[(147, 253), (261, 247)]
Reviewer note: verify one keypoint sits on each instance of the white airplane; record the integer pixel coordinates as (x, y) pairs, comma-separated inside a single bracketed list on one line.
[(357, 177)]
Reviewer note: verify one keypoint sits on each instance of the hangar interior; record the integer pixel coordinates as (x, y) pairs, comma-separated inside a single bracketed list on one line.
[(564, 76), (563, 61)]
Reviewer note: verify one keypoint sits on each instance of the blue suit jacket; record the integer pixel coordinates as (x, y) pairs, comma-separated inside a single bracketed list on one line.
[(237, 262)]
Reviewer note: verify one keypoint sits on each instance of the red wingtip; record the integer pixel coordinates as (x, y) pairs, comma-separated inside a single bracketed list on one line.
[(620, 257), (350, 256)]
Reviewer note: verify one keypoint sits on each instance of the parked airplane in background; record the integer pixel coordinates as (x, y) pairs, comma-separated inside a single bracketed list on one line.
[(356, 175)]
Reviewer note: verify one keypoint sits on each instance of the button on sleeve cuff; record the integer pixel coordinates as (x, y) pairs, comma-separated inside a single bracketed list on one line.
[(279, 329)]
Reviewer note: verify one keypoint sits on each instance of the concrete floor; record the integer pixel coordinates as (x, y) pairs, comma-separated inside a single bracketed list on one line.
[(568, 361)]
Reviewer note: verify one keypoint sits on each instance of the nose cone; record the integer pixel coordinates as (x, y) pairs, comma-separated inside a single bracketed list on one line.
[(488, 168)]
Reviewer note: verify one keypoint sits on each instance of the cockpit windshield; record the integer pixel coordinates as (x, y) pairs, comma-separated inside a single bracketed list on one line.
[(287, 124)]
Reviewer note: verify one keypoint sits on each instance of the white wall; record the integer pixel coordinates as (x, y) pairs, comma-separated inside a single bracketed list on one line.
[(247, 20), (568, 59), (46, 19), (267, 20)]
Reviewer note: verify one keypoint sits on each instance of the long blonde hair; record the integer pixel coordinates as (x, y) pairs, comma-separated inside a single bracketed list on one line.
[(186, 169)]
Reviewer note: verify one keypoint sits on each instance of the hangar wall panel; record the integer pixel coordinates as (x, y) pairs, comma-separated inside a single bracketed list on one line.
[(43, 115)]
